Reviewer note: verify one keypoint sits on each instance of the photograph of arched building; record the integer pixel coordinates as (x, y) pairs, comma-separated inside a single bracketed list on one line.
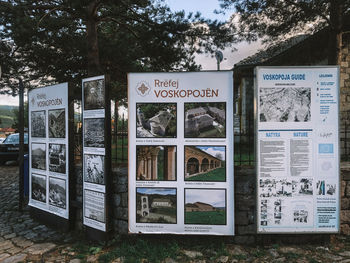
[(156, 163), (205, 163)]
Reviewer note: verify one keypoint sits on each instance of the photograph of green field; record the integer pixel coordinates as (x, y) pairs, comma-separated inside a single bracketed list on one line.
[(205, 163), (205, 206)]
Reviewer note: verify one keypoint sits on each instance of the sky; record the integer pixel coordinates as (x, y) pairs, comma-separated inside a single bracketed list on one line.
[(216, 198), (206, 8)]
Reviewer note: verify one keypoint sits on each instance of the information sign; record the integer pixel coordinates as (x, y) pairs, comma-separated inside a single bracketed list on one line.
[(48, 149), (297, 149), (181, 153)]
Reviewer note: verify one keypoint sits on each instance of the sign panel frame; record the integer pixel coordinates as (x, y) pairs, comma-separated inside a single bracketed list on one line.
[(301, 134), (96, 154), (180, 134), (49, 110)]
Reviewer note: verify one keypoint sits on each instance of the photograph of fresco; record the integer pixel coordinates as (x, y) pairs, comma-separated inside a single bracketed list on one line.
[(205, 120), (156, 120), (156, 205), (94, 168), (94, 95), (205, 206), (38, 121), (57, 123), (156, 163), (94, 132), (205, 163)]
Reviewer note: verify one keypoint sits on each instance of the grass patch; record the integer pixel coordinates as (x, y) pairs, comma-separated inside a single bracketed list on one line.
[(136, 250), (206, 218), (217, 175)]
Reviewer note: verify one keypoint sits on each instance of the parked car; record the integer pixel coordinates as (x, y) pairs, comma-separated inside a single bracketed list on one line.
[(9, 149), (2, 139)]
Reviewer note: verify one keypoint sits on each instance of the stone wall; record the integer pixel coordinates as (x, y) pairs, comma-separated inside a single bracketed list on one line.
[(245, 205)]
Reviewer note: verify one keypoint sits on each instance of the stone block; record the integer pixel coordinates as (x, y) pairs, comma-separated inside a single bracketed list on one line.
[(345, 203), (116, 200), (121, 226), (15, 259), (246, 230), (345, 229), (121, 213), (241, 218), (347, 189), (343, 187), (245, 202), (124, 202), (345, 216), (244, 240), (244, 185)]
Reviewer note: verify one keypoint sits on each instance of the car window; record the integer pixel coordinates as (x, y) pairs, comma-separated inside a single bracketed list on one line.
[(12, 139)]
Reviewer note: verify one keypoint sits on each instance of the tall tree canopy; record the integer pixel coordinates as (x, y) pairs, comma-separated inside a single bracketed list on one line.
[(65, 40), (278, 19)]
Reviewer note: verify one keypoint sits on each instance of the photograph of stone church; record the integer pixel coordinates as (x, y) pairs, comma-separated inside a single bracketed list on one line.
[(156, 120), (156, 205), (156, 163), (205, 206), (205, 120), (205, 163)]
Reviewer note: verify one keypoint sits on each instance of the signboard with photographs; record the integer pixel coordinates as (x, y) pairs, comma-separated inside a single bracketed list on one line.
[(297, 149), (48, 149), (181, 153), (94, 160)]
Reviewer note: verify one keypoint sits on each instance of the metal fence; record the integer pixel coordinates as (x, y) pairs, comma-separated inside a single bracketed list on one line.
[(243, 141)]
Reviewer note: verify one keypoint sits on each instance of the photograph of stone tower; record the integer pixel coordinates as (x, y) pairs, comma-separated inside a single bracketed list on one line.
[(205, 120), (156, 205), (156, 163), (156, 120)]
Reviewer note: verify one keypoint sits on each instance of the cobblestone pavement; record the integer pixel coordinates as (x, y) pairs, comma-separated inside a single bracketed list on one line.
[(21, 238)]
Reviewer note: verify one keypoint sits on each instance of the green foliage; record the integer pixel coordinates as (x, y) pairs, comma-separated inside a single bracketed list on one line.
[(7, 116), (15, 112), (67, 40), (136, 250)]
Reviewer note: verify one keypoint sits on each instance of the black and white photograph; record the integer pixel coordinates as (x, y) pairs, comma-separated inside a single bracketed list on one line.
[(94, 168), (300, 216), (285, 104), (94, 132), (39, 187), (205, 120), (39, 156), (38, 121), (94, 94), (57, 158), (94, 205), (276, 188), (278, 209), (57, 123), (57, 192), (303, 187)]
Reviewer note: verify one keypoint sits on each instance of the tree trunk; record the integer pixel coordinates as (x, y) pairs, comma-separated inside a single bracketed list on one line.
[(94, 67), (335, 32)]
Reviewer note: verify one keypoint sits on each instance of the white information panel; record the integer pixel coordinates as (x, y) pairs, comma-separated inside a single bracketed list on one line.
[(94, 158), (297, 149), (181, 153), (48, 149)]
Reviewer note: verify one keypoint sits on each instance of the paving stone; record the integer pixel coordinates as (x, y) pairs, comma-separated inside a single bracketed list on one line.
[(192, 254), (40, 249), (16, 258), (345, 254), (14, 250), (3, 256), (9, 236), (6, 245), (22, 242)]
